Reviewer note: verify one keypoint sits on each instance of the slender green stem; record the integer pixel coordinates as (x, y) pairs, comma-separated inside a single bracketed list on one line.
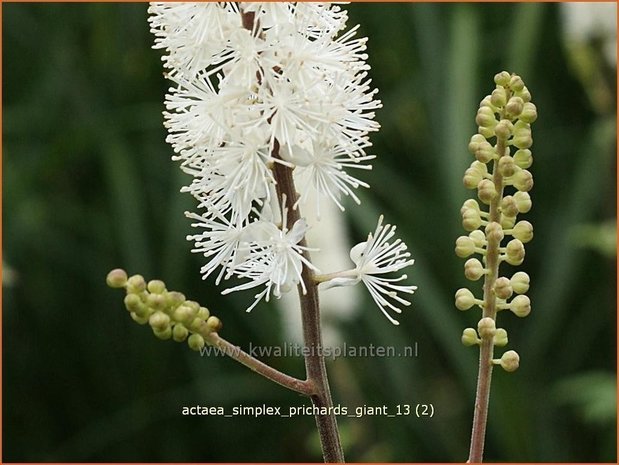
[(486, 351)]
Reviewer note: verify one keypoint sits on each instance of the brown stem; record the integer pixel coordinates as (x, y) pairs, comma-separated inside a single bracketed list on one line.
[(312, 335), (484, 378), (302, 387)]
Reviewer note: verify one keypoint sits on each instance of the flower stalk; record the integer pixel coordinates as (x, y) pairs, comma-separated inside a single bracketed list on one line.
[(505, 118)]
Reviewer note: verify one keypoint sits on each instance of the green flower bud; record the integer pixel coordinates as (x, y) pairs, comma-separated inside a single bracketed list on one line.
[(494, 232), (469, 337), (486, 191), (498, 97), (475, 142), (507, 222), (522, 135), (139, 319), (174, 299), (529, 113), (514, 252), (471, 220), (163, 334), (523, 158), (479, 238), (156, 301), (502, 78), (504, 129), (500, 338), (196, 324), (184, 314), (520, 306), (507, 166), (196, 342), (485, 118), (116, 278), (156, 286), (465, 246), (523, 231), (524, 94), (485, 152), (473, 269), (464, 299), (508, 206), (520, 282), (470, 204), (179, 333), (523, 201), (516, 83), (515, 106), (503, 288), (133, 303), (474, 174), (214, 323), (195, 306), (486, 327), (136, 284), (159, 321), (523, 180), (203, 313), (510, 361), (486, 132)]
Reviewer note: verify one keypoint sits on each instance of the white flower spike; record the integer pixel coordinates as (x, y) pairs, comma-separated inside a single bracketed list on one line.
[(257, 86)]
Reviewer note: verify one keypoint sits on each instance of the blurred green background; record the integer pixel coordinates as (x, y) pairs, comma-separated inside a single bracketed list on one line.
[(88, 185)]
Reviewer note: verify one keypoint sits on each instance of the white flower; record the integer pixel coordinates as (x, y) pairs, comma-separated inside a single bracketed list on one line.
[(276, 261), (260, 84), (374, 259)]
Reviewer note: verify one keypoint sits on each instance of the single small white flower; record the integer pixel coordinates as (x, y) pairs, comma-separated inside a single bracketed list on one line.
[(276, 261), (374, 259)]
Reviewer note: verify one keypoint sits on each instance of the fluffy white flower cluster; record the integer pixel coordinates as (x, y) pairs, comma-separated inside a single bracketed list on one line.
[(260, 84)]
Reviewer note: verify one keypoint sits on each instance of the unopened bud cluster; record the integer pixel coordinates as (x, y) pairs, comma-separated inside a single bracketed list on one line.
[(168, 313), (502, 180)]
